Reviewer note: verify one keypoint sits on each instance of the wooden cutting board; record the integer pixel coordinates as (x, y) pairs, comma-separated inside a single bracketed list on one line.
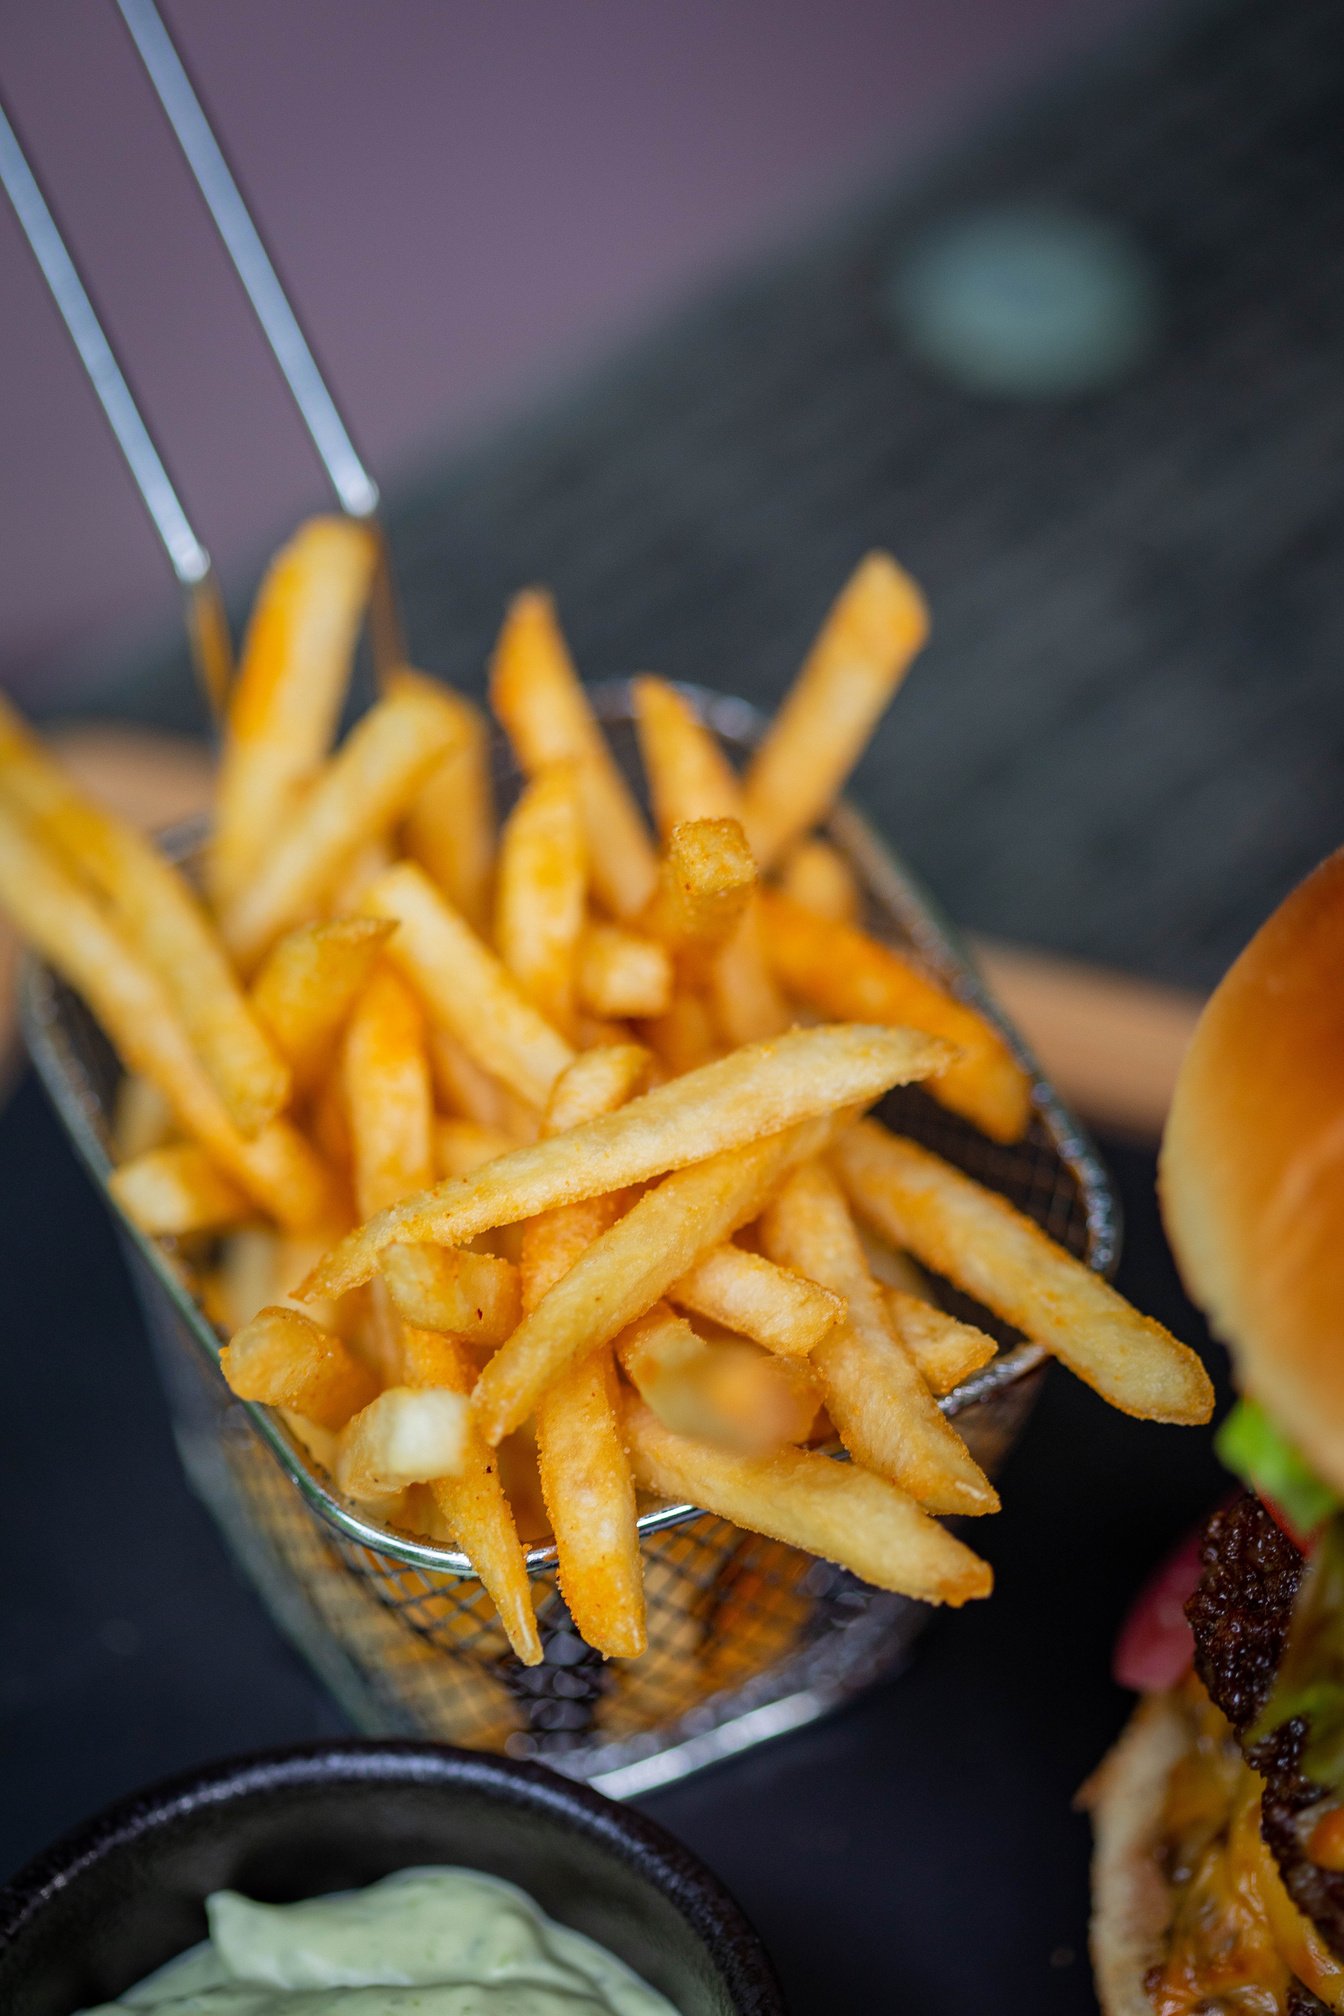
[(1110, 1043)]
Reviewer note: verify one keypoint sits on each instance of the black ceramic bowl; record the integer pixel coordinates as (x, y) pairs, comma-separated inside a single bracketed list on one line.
[(112, 1902)]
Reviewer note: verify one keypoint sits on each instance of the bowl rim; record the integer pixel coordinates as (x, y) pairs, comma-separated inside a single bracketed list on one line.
[(901, 893), (656, 1856)]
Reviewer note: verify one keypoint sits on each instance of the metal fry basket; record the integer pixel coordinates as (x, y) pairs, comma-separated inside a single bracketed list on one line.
[(747, 1638)]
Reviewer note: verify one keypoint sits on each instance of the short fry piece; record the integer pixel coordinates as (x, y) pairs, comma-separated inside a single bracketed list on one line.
[(597, 1082), (749, 1294), (836, 1510), (473, 1504), (469, 1295), (757, 1090), (846, 974), (628, 1267), (465, 986), (308, 983), (408, 1435), (726, 1392), (296, 666), (450, 828), (705, 878), (283, 1359), (361, 793), (276, 1167), (862, 653), (535, 692), (945, 1350), (622, 973), (977, 1240), (172, 1191), (539, 900), (884, 1413), (163, 921), (817, 875)]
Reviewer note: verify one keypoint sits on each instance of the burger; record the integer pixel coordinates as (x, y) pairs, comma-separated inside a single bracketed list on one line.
[(1218, 1871)]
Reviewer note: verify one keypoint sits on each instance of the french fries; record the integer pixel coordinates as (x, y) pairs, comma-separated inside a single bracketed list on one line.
[(977, 1240), (878, 623), (496, 1149), (842, 972)]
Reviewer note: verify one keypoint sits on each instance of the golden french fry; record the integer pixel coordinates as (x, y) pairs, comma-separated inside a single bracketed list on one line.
[(619, 972), (308, 983), (142, 1119), (461, 1146), (162, 920), (388, 1095), (684, 1038), (817, 875), (282, 1358), (705, 878), (865, 647), (345, 897), (836, 1510), (286, 703), (470, 1295), (892, 1268), (535, 692), (882, 1410), (541, 892), (473, 1505), (464, 1088), (755, 1091), (848, 975), (247, 1276), (450, 828), (691, 778), (276, 1167), (629, 1267), (408, 1435), (978, 1241), (726, 1392), (176, 1190), (584, 1475), (466, 988), (358, 797), (752, 1295), (945, 1350)]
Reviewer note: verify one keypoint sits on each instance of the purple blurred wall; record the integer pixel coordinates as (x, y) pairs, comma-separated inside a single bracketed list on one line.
[(469, 201)]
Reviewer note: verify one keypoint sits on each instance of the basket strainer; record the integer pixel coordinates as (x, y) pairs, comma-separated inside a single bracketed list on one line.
[(747, 1637)]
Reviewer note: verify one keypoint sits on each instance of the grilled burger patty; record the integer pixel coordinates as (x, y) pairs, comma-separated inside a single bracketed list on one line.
[(1239, 1614)]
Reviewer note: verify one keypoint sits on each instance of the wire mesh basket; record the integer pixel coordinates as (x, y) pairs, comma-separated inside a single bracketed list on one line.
[(746, 1637)]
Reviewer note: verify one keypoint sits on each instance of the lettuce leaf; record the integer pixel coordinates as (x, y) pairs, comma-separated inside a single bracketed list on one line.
[(1262, 1456)]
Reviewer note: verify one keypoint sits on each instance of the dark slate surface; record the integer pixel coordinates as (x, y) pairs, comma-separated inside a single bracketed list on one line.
[(1126, 740)]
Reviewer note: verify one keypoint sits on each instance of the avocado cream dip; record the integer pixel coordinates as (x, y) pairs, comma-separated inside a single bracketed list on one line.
[(425, 1942)]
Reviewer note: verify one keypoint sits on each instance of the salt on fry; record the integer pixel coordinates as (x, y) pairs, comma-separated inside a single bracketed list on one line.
[(875, 627), (450, 828), (844, 973), (176, 1190), (756, 1091), (360, 795), (286, 701), (585, 1478), (882, 1410), (466, 987), (161, 918), (307, 984), (976, 1239), (541, 892), (275, 1166), (834, 1510), (747, 1293), (283, 1359), (628, 1267), (535, 692)]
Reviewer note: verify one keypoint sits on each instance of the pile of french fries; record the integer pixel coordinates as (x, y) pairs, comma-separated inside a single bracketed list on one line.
[(526, 1165)]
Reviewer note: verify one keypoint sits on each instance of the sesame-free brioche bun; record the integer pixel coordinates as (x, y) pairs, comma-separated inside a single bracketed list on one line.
[(1131, 1897), (1251, 1175)]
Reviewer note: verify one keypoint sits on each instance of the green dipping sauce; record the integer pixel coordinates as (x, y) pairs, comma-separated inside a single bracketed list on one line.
[(425, 1942)]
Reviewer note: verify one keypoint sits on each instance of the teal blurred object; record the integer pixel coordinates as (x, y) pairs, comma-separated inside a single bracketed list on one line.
[(1031, 301)]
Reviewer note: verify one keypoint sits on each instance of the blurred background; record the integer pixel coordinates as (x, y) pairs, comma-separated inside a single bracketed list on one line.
[(680, 309)]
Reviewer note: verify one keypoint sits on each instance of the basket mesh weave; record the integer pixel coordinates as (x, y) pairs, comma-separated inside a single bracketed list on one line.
[(746, 1636)]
